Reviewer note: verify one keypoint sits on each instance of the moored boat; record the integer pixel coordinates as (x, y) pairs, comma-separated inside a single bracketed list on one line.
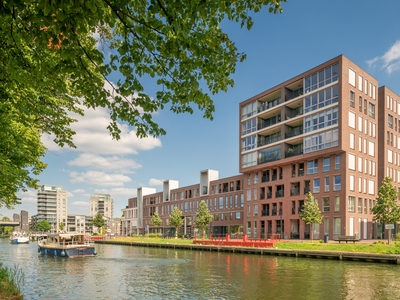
[(66, 244), (19, 238)]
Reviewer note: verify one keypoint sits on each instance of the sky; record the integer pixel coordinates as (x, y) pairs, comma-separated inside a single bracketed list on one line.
[(278, 47)]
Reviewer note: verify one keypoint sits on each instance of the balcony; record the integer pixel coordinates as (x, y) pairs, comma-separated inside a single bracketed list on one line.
[(265, 213), (294, 113), (295, 191), (262, 196), (268, 122), (274, 177), (225, 190), (269, 195), (301, 173), (306, 190), (293, 210), (268, 158), (265, 179), (273, 212), (270, 104), (279, 194), (294, 151), (269, 139), (294, 131), (294, 94)]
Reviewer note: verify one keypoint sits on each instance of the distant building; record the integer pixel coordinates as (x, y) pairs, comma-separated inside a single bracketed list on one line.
[(52, 205), (102, 204), (33, 222), (24, 221), (80, 223)]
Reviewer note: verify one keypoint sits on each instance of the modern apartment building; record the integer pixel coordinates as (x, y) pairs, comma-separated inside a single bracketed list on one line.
[(52, 205), (80, 223), (103, 204), (315, 132)]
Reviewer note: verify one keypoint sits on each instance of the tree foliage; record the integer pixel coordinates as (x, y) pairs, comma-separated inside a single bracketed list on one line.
[(387, 209), (203, 218), (61, 226), (43, 225), (156, 220), (51, 65), (98, 221), (311, 213), (175, 219)]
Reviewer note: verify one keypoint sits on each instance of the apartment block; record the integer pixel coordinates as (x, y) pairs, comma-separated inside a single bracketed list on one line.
[(102, 204), (315, 132), (79, 223), (52, 205)]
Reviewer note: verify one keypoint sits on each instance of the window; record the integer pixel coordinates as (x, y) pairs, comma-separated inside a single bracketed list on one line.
[(255, 178), (255, 210), (249, 143), (321, 99), (316, 186), (352, 120), (359, 209), (321, 78), (325, 204), (249, 180), (371, 187), (360, 123), (390, 156), (337, 203), (327, 164), (352, 99), (337, 162), (371, 148), (326, 184), (390, 120), (359, 184), (216, 217), (321, 141), (320, 120), (249, 159), (249, 110), (352, 77), (351, 182), (352, 162), (360, 104), (241, 200), (359, 164), (351, 204), (248, 198), (236, 201), (312, 167), (248, 211), (337, 183), (365, 206), (222, 217), (351, 140), (360, 82), (365, 106), (337, 226), (237, 215), (255, 194), (221, 202)]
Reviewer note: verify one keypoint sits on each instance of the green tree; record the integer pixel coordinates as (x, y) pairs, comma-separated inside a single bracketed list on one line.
[(98, 222), (5, 218), (61, 226), (51, 66), (43, 225), (156, 220), (386, 209), (311, 213), (203, 218), (175, 219)]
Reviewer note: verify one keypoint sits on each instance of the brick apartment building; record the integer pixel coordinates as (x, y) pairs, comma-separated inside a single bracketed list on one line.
[(322, 131)]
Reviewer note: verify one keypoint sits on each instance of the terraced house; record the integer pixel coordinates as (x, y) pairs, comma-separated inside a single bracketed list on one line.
[(329, 130)]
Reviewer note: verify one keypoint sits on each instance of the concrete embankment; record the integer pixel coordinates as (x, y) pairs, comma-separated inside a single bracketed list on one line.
[(349, 256)]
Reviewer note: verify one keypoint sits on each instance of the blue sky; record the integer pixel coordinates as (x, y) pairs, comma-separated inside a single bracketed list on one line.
[(278, 47)]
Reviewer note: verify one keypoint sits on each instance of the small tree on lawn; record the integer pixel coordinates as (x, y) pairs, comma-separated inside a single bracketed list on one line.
[(387, 210), (175, 220), (98, 221), (43, 225), (203, 218), (156, 220), (311, 213), (61, 226)]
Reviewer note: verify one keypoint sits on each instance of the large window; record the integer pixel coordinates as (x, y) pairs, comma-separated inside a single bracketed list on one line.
[(372, 110), (237, 215), (249, 159), (327, 164), (337, 162), (249, 143), (321, 78), (321, 99), (249, 110), (352, 201), (337, 224), (321, 141), (249, 126), (316, 185), (269, 154), (337, 203), (221, 202), (241, 200), (352, 99), (320, 120), (337, 183), (312, 167), (390, 121), (325, 204)]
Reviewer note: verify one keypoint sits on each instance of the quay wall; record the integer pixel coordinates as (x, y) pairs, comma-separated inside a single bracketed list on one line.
[(346, 256)]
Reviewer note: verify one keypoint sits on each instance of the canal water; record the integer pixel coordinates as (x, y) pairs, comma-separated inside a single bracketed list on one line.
[(123, 272)]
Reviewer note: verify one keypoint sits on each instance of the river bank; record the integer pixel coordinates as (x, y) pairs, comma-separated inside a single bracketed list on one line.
[(11, 280), (380, 253)]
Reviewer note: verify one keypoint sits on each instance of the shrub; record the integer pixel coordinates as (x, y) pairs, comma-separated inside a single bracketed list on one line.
[(134, 235), (159, 235), (94, 234), (152, 235), (379, 243), (180, 235), (320, 241)]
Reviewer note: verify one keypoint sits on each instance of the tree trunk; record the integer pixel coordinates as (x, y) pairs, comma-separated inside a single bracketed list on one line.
[(389, 234), (312, 232)]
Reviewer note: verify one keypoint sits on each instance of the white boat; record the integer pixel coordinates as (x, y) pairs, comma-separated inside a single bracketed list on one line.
[(68, 244), (19, 238)]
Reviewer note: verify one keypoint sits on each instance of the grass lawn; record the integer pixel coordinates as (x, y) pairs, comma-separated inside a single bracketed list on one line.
[(394, 248)]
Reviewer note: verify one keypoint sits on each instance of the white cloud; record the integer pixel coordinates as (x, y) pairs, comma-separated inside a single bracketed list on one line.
[(78, 191), (99, 178), (80, 203), (70, 194), (30, 196), (92, 135), (153, 181), (86, 195), (390, 60), (114, 163), (130, 193)]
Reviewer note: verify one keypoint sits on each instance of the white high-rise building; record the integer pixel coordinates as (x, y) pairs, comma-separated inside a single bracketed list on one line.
[(103, 204), (52, 205)]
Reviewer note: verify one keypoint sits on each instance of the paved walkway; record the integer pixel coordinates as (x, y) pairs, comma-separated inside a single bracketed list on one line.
[(336, 242)]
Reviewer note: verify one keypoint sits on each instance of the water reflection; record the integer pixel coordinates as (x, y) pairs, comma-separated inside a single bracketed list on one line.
[(122, 272)]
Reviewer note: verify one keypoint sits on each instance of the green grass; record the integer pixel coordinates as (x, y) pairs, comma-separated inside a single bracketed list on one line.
[(153, 240), (11, 281), (394, 248)]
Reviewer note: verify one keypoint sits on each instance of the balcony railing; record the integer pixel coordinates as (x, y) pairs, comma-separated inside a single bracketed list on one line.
[(269, 195), (294, 94), (268, 122), (294, 132), (225, 190), (265, 179), (273, 212), (269, 139), (268, 105), (279, 194), (294, 113), (293, 210), (265, 213), (274, 177), (262, 196), (269, 158), (294, 152), (301, 173), (306, 190), (295, 191)]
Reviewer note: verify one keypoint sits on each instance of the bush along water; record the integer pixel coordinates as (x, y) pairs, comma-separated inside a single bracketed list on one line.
[(11, 281)]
